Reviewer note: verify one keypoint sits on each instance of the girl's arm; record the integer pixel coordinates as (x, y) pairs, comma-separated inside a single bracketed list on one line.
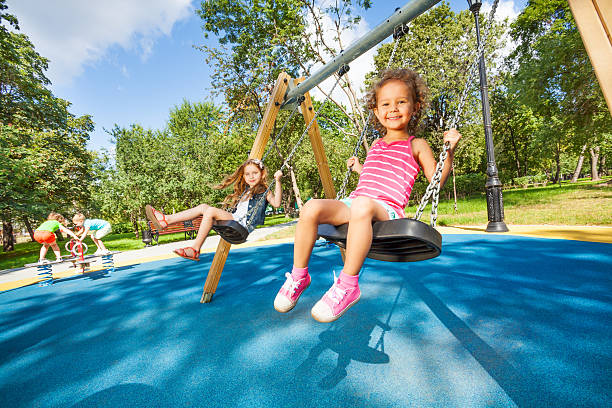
[(424, 156), (84, 233), (353, 161), (276, 198), (67, 231)]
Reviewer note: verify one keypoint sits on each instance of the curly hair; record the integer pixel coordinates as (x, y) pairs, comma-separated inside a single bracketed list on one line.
[(237, 179), (415, 83), (57, 217)]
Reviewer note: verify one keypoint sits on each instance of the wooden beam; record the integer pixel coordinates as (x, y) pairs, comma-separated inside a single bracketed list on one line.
[(259, 145), (314, 133), (594, 21)]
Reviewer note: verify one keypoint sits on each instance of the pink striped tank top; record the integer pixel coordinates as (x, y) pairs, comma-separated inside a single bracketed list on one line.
[(388, 174)]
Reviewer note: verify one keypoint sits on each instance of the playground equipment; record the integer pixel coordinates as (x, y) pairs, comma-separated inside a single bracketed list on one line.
[(78, 251), (396, 240)]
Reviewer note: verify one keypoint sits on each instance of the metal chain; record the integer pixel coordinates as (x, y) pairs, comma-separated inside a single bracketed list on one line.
[(344, 69), (280, 132), (434, 186), (269, 149), (366, 127)]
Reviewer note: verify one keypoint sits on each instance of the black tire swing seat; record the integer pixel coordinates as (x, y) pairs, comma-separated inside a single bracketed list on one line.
[(401, 240), (231, 231)]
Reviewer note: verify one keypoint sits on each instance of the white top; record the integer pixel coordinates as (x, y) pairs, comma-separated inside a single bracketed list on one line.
[(240, 214)]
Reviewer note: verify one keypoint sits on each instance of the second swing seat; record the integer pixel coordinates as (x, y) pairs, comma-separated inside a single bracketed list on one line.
[(231, 231)]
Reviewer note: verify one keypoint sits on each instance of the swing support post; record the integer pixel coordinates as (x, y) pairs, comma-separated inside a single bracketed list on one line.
[(259, 145), (257, 151), (495, 205)]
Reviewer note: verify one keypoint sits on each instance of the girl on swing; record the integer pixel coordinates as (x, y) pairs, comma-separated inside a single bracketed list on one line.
[(250, 176), (385, 183)]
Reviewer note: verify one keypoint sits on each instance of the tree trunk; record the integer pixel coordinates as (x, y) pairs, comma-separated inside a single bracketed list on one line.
[(517, 160), (135, 225), (296, 189), (29, 227), (602, 166), (8, 240), (594, 163), (557, 177), (579, 165)]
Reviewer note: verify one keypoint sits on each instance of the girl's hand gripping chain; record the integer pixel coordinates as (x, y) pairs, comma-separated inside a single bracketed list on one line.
[(353, 164)]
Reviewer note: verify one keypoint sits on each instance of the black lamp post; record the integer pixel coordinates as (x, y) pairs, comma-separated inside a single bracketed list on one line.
[(495, 205)]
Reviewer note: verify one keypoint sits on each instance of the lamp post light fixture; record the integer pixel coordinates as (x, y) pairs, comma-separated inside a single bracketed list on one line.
[(495, 205)]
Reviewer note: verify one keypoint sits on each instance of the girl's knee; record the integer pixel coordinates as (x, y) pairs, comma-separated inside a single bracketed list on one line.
[(311, 210), (362, 207), (203, 208)]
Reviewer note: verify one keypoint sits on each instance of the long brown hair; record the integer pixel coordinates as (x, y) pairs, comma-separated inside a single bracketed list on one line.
[(418, 90), (237, 179)]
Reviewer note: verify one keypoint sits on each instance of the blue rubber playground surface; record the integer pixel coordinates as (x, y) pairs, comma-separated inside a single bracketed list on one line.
[(496, 321)]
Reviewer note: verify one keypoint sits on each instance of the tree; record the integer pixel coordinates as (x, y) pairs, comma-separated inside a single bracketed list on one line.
[(554, 77), (258, 39), (24, 98), (45, 164)]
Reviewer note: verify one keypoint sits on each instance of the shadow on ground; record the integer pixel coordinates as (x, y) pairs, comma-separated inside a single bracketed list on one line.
[(494, 321)]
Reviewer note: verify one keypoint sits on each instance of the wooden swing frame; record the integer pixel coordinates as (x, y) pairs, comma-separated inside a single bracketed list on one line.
[(259, 144)]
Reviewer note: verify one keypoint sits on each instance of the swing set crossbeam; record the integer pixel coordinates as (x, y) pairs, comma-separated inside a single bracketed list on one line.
[(403, 15)]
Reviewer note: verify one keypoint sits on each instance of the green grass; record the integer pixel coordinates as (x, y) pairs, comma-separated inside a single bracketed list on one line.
[(565, 204), (584, 203)]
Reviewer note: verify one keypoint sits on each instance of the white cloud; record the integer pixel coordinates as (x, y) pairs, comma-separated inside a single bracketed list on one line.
[(74, 33)]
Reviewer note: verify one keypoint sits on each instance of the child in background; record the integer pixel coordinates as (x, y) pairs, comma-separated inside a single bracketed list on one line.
[(250, 177), (385, 183), (98, 229), (45, 235)]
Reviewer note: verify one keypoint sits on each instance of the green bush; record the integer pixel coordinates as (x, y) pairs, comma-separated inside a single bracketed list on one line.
[(466, 185)]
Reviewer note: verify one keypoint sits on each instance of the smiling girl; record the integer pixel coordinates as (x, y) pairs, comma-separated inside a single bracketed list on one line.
[(385, 183), (249, 182)]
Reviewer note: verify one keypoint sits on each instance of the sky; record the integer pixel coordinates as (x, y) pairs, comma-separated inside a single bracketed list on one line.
[(125, 62)]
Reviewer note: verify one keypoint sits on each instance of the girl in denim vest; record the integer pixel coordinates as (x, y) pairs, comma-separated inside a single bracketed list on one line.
[(250, 177)]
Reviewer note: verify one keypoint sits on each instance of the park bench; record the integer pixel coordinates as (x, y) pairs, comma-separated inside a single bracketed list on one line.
[(190, 228)]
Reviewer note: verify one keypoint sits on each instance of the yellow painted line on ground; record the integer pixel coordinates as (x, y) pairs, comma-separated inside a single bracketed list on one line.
[(570, 232)]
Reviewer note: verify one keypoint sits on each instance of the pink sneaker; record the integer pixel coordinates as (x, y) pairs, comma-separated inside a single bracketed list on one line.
[(288, 295), (335, 302)]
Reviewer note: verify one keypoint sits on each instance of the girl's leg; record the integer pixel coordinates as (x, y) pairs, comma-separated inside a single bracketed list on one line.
[(315, 212), (98, 243), (189, 214), (56, 250), (209, 215), (345, 291), (364, 210), (43, 251)]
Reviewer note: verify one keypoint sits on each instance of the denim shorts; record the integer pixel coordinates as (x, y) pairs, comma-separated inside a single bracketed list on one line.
[(393, 214)]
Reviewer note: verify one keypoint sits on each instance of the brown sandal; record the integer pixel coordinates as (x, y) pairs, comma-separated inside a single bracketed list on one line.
[(183, 253), (152, 216)]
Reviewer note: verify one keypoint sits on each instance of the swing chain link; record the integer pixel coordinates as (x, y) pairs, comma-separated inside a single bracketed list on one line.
[(434, 188), (343, 70), (396, 37)]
